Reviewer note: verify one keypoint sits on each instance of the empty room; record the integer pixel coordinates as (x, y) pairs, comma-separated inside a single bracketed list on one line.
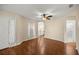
[(39, 29)]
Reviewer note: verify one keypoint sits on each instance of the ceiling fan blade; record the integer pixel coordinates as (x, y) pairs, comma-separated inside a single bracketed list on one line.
[(50, 16)]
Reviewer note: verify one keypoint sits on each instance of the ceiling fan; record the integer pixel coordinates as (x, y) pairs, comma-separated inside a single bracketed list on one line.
[(46, 16)]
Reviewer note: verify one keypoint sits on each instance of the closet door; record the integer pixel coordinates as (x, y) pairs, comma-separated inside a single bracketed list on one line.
[(3, 32)]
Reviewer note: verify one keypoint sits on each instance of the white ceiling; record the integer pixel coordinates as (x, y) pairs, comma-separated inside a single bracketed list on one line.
[(32, 10)]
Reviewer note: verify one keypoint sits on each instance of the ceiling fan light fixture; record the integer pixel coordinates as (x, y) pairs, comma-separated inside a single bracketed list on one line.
[(44, 18)]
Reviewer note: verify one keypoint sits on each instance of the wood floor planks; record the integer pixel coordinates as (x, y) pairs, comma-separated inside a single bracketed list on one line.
[(32, 47)]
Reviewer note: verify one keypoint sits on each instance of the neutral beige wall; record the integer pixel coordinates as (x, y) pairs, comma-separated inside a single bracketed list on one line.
[(77, 37), (54, 29), (20, 33)]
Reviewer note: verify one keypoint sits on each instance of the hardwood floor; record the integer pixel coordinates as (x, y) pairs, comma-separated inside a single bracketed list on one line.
[(71, 48), (36, 47)]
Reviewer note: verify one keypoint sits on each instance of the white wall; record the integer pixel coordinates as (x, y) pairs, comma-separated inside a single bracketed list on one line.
[(20, 34), (3, 32)]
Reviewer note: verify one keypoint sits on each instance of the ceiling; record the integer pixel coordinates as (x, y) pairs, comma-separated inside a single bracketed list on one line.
[(32, 11)]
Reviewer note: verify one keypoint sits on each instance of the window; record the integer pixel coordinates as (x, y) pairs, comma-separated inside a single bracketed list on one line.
[(12, 30), (40, 28), (31, 30), (70, 33)]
